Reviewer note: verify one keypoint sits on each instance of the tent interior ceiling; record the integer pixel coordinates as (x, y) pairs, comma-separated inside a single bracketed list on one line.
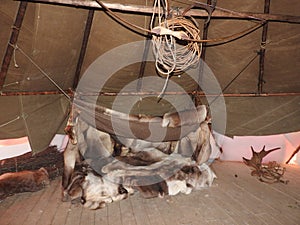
[(51, 36)]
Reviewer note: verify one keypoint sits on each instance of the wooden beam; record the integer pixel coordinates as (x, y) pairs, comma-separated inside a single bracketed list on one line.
[(263, 50), (17, 93), (199, 93), (85, 39), (218, 13), (12, 41), (203, 50)]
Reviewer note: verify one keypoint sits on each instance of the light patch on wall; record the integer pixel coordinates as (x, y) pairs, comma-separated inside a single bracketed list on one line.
[(10, 148), (240, 146)]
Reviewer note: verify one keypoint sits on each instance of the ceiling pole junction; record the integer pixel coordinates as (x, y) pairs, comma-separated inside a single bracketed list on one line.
[(11, 46), (86, 35), (263, 50)]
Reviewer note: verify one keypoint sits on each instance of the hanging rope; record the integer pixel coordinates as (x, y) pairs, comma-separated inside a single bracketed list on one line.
[(216, 40), (9, 122), (174, 54), (43, 72), (232, 80)]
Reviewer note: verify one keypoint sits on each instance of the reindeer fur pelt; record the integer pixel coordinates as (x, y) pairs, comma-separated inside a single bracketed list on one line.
[(23, 181), (187, 117), (172, 175)]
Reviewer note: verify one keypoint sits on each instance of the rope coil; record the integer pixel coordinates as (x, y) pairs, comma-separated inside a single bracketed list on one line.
[(172, 52)]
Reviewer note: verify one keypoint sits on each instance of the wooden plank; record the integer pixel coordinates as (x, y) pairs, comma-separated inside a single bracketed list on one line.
[(42, 205), (138, 208), (166, 211), (61, 213), (101, 216), (87, 216), (10, 213), (268, 219), (235, 209), (127, 216), (192, 210), (114, 213), (210, 211), (256, 196), (27, 205), (74, 215), (53, 202), (6, 203), (154, 214)]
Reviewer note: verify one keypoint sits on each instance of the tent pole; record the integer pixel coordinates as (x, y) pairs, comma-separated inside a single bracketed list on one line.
[(199, 93), (218, 13), (202, 57), (294, 153), (144, 60), (12, 42), (263, 50), (85, 39)]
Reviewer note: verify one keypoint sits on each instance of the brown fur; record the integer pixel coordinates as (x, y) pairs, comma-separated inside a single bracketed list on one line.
[(24, 181)]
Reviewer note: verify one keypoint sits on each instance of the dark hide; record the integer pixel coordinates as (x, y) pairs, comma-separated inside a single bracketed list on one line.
[(156, 188), (24, 181)]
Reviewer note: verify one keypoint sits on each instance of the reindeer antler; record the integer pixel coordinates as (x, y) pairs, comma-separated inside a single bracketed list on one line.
[(257, 157), (269, 173)]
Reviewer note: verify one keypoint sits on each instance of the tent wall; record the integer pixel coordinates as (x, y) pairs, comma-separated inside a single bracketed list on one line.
[(51, 35)]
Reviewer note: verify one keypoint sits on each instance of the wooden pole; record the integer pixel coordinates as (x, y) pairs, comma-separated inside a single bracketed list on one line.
[(85, 39), (203, 50), (17, 93), (263, 50), (200, 93), (218, 13), (196, 98), (12, 42), (294, 153)]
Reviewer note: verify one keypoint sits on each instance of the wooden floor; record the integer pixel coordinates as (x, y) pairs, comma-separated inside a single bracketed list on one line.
[(234, 198)]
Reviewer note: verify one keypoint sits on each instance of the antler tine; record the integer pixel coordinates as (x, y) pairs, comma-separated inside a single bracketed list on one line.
[(264, 148)]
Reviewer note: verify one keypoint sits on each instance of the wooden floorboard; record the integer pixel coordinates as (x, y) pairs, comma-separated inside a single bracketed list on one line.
[(235, 198)]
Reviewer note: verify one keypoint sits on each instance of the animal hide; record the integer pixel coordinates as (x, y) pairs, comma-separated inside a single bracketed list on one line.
[(197, 144), (136, 145), (23, 181), (97, 191), (90, 144), (94, 190), (129, 117), (187, 117), (154, 169), (180, 174)]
